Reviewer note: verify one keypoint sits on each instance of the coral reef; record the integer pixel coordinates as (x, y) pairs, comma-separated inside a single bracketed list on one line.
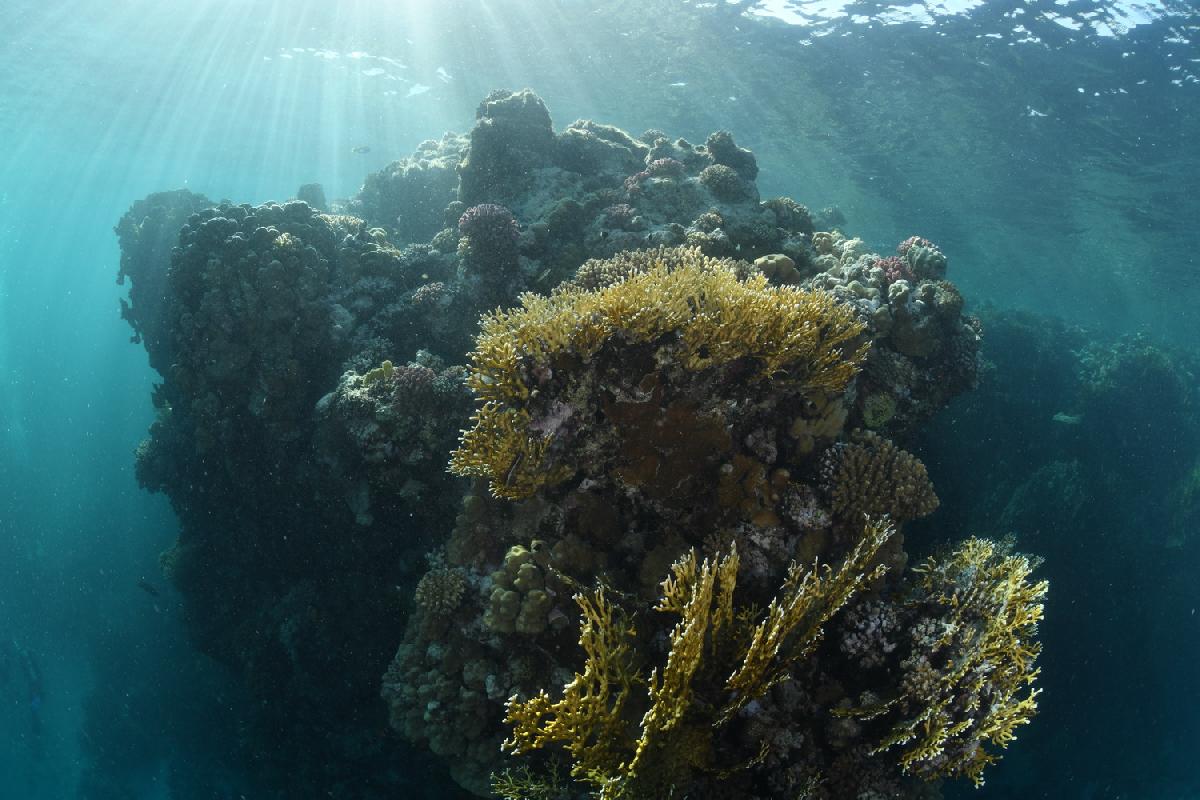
[(661, 470), (667, 422), (925, 348), (408, 198), (698, 315), (147, 233)]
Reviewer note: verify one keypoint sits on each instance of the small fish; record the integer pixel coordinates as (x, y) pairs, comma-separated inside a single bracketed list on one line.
[(512, 470), (362, 149), (148, 587)]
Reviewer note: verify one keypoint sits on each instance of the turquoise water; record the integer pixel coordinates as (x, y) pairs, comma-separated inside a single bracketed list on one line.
[(1047, 148)]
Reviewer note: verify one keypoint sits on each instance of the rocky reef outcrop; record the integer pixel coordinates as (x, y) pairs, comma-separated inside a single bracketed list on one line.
[(670, 547)]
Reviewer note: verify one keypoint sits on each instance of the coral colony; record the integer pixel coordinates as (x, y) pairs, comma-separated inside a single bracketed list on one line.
[(667, 556)]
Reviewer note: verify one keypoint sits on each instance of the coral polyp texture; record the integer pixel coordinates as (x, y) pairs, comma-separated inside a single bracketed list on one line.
[(668, 556)]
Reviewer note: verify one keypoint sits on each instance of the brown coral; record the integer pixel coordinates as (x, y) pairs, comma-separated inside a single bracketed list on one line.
[(870, 475), (440, 590)]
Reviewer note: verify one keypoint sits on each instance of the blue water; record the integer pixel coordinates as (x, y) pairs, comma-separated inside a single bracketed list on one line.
[(1048, 147)]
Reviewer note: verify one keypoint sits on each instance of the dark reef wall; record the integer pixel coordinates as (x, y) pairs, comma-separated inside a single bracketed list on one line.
[(1084, 448), (719, 387)]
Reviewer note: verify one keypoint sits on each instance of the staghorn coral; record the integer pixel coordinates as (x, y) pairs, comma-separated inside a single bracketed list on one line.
[(700, 311), (870, 475), (968, 680)]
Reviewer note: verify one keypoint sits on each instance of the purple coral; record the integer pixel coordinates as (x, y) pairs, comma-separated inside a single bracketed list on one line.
[(489, 239), (489, 225), (913, 241), (413, 381), (894, 269)]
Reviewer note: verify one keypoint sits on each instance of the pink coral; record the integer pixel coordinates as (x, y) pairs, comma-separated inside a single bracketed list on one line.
[(913, 241), (894, 269)]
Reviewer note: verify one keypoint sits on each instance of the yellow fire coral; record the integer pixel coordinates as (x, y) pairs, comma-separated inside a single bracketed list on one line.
[(714, 648), (694, 308), (969, 679)]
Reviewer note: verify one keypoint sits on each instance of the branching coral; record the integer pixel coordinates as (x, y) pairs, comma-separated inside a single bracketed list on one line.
[(792, 625), (712, 638), (588, 719), (968, 681), (600, 273), (699, 312)]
